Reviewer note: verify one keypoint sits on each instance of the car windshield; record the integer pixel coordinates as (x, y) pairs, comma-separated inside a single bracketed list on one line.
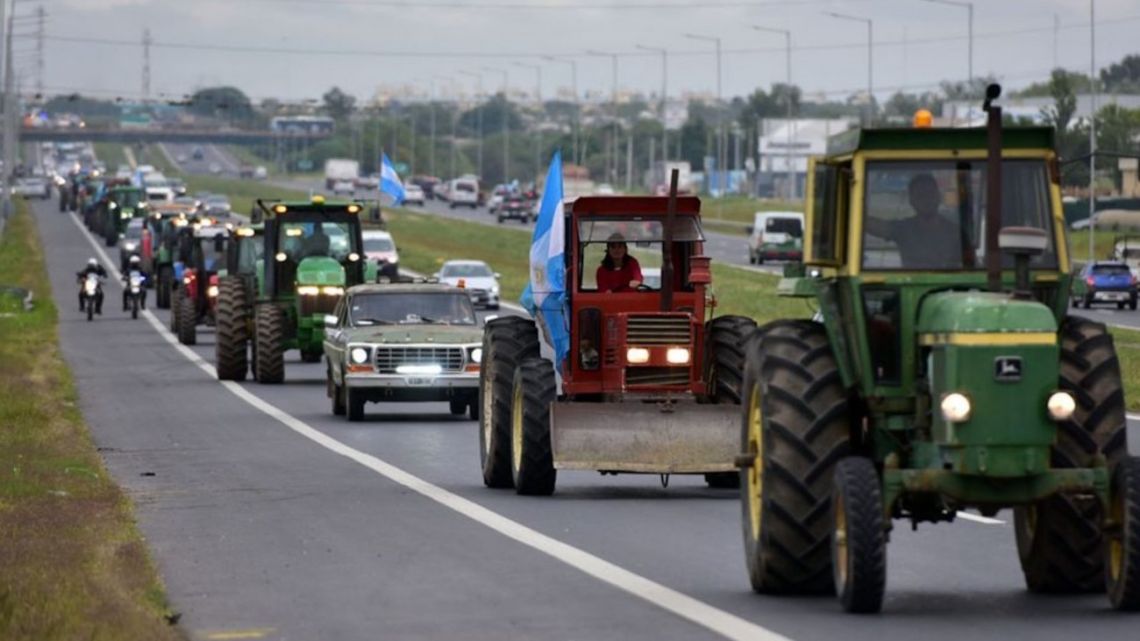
[(411, 308), (930, 215), (1111, 270), (465, 270), (378, 245)]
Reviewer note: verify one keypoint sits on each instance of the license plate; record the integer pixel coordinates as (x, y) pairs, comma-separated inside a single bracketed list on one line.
[(1115, 296), (420, 380)]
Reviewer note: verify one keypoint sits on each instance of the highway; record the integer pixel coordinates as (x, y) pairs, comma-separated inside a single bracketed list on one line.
[(271, 518)]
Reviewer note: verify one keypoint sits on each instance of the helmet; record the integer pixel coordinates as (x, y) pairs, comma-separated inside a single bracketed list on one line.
[(91, 262), (134, 260)]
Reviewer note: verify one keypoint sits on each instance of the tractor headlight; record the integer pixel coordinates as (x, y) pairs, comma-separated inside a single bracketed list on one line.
[(477, 355), (212, 291), (637, 355), (353, 257), (308, 290), (130, 246), (677, 356), (956, 407), (332, 291), (359, 355), (280, 257), (1061, 406)]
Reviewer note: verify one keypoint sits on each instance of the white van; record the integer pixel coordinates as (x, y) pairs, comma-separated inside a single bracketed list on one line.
[(776, 235), (463, 192)]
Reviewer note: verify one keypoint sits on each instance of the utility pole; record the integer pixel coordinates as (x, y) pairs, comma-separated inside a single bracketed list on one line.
[(792, 187), (577, 105), (539, 114), (478, 119), (431, 132), (146, 42), (506, 129), (870, 61), (721, 152), (1092, 128), (11, 110), (41, 19), (664, 98)]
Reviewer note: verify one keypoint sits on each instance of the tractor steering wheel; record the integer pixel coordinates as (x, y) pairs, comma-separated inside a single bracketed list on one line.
[(644, 288)]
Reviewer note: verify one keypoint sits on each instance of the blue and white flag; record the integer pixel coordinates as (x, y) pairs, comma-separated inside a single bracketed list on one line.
[(390, 181), (545, 294)]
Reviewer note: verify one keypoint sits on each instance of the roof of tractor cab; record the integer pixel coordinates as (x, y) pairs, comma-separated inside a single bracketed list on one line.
[(937, 138), (405, 288), (653, 206)]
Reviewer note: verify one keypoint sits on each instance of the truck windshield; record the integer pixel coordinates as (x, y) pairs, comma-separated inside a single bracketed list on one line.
[(930, 215), (411, 308)]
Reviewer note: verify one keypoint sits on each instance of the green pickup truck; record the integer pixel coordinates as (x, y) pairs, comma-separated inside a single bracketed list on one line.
[(403, 342)]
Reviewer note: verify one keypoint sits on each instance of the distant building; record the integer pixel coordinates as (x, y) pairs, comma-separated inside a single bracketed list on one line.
[(785, 144)]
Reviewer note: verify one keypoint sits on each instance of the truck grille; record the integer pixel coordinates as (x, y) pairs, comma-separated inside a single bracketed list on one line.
[(657, 376), (450, 359), (657, 330)]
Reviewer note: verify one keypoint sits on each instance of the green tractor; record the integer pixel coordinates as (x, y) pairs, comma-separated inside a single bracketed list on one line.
[(121, 204), (237, 296), (312, 251), (163, 224), (941, 373)]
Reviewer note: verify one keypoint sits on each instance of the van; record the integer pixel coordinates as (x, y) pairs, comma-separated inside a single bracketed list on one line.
[(463, 192), (776, 235)]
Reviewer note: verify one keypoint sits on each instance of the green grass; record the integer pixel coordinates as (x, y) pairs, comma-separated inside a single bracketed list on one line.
[(74, 566), (111, 153), (1128, 351)]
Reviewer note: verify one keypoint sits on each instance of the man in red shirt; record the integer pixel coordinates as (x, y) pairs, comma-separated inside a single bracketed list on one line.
[(619, 272)]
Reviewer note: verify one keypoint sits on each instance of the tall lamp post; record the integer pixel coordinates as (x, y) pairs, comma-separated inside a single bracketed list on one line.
[(538, 118), (577, 107), (870, 60), (1092, 127), (478, 118), (792, 187), (721, 158), (611, 152), (506, 124), (664, 93)]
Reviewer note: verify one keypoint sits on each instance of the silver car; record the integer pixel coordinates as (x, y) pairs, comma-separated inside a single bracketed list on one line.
[(476, 277)]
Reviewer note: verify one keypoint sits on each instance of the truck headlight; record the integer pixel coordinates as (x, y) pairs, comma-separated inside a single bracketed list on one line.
[(637, 355), (677, 355), (477, 355), (1061, 406), (956, 407), (359, 355)]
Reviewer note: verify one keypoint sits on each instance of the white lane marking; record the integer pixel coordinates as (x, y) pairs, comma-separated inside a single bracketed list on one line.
[(978, 518), (1132, 417), (716, 620)]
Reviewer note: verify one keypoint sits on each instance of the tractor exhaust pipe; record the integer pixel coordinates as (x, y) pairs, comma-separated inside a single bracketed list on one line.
[(667, 246), (993, 187)]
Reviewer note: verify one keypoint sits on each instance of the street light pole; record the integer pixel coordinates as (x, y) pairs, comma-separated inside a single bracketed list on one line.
[(611, 151), (870, 60), (792, 187), (478, 118), (506, 124), (664, 93), (969, 7), (577, 107), (1092, 128), (538, 117), (721, 157)]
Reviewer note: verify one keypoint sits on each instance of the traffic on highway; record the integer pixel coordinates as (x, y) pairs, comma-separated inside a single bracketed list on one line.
[(792, 368)]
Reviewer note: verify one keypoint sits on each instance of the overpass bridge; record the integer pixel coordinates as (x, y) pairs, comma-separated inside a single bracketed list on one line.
[(147, 135)]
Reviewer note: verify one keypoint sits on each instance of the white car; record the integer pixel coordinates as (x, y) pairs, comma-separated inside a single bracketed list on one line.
[(413, 194), (463, 191), (476, 277), (380, 247), (343, 188)]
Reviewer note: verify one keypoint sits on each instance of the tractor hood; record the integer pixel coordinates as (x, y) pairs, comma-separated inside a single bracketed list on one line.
[(953, 313), (397, 334), (320, 270)]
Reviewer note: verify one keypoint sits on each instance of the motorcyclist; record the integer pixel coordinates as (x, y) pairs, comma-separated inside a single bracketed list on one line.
[(134, 264), (93, 267)]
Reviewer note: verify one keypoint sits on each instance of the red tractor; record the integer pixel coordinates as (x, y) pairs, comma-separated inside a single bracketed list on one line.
[(201, 253), (649, 384)]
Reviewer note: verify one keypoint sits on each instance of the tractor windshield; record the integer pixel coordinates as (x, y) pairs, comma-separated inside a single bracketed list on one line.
[(929, 215), (411, 308), (641, 240), (128, 199), (300, 240)]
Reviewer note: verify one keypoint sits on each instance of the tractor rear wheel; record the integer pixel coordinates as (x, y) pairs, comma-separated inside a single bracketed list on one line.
[(797, 426), (162, 288), (232, 319), (187, 320), (507, 341), (1122, 557), (175, 314), (859, 542), (532, 458), (1059, 539), (269, 324), (725, 339)]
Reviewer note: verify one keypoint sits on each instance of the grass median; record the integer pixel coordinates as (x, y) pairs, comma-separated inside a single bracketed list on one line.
[(72, 563)]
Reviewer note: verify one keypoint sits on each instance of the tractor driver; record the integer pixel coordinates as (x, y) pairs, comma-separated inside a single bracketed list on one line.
[(927, 240), (317, 244), (619, 272)]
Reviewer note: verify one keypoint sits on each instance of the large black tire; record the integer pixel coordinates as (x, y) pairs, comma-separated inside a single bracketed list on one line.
[(532, 458), (798, 425), (162, 288), (187, 320), (725, 339), (1122, 567), (269, 324), (232, 337), (859, 545), (507, 341), (175, 313), (135, 308), (1059, 539)]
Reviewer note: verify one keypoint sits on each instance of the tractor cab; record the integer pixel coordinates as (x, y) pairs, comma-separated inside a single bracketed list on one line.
[(200, 254), (122, 203)]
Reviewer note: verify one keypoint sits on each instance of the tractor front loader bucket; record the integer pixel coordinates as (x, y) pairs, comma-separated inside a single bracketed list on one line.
[(657, 438)]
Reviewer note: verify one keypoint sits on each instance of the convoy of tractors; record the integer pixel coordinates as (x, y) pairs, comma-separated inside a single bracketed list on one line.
[(940, 373)]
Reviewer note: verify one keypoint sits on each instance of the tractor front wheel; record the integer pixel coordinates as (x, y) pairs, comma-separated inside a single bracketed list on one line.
[(187, 321), (162, 288), (269, 324), (232, 319), (1122, 567), (532, 458), (507, 341), (859, 542), (797, 425)]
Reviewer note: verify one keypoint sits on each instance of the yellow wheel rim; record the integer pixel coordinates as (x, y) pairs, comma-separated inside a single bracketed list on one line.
[(840, 540), (756, 472), (1116, 539), (516, 427), (485, 417)]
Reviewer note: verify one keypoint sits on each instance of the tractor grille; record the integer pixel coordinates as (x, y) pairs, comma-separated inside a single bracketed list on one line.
[(657, 376), (320, 304), (389, 358), (657, 330)]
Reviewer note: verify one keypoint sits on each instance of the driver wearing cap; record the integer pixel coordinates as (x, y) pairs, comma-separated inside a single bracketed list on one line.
[(619, 272)]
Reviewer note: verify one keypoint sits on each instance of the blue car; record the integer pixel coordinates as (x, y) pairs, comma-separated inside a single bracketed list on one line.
[(1105, 282)]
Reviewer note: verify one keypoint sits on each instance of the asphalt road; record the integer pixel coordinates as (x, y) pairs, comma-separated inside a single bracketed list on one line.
[(271, 518)]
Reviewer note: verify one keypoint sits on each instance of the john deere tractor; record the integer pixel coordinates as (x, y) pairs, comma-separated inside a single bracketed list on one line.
[(941, 373), (237, 295), (312, 251)]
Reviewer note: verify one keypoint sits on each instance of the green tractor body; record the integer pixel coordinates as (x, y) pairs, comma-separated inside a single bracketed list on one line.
[(940, 373), (122, 203)]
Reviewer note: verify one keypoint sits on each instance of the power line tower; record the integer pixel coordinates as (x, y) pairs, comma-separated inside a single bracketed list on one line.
[(41, 19), (146, 42)]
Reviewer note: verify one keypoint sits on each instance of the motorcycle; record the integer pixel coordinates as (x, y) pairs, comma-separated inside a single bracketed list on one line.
[(135, 294), (92, 292)]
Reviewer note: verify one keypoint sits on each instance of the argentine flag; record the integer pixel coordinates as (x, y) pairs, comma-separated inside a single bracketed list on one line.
[(390, 181), (545, 294)]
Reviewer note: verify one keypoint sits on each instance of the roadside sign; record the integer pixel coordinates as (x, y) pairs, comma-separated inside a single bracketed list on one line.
[(304, 164)]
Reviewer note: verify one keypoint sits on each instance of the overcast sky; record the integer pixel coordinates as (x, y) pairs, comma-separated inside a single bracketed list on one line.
[(917, 43)]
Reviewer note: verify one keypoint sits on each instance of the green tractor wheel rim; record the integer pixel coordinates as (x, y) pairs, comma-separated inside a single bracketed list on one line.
[(756, 472), (841, 551), (516, 427)]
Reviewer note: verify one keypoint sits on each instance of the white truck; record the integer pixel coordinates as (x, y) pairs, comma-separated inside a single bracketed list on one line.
[(338, 169)]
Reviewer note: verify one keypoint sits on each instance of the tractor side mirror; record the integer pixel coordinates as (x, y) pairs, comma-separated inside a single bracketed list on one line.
[(1024, 243), (330, 321)]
